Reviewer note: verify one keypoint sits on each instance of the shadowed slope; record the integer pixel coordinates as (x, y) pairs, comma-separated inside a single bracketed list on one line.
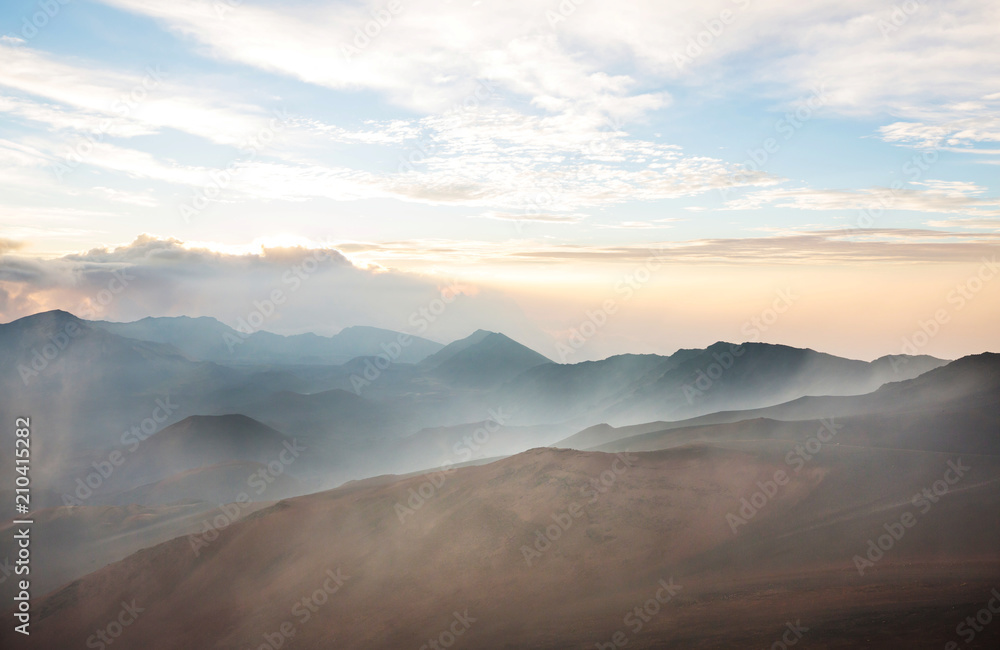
[(656, 516)]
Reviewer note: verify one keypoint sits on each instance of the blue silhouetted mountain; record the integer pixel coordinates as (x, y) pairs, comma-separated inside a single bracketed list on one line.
[(953, 408), (206, 339), (630, 389), (481, 360)]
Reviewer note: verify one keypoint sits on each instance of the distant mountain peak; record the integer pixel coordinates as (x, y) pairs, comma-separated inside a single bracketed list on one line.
[(483, 358), (480, 335), (53, 315)]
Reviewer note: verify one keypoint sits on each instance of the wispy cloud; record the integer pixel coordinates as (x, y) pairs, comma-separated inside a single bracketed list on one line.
[(942, 197), (118, 103), (819, 247), (641, 225)]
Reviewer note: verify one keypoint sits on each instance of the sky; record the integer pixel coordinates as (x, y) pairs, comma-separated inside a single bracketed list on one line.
[(589, 177)]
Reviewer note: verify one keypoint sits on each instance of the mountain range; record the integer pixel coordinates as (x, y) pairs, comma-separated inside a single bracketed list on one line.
[(481, 484)]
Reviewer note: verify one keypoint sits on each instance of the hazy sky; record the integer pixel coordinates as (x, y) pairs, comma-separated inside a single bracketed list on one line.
[(544, 156)]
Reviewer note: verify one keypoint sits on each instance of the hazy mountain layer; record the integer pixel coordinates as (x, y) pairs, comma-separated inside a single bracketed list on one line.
[(555, 549), (206, 339)]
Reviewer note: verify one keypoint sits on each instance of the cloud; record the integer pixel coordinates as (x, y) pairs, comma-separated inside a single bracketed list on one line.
[(59, 118), (951, 188), (962, 134), (530, 216), (574, 152), (144, 199), (38, 223), (563, 76), (322, 289), (379, 133), (96, 100), (819, 247), (510, 111), (874, 58), (427, 57), (943, 197), (641, 225), (496, 159), (974, 224), (8, 245), (168, 277)]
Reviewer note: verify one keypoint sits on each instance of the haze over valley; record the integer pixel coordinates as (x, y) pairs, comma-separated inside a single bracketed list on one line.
[(521, 325)]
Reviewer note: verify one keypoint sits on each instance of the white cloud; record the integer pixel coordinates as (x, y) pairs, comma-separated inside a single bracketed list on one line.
[(962, 134), (529, 216), (642, 225), (122, 104), (603, 59), (971, 224), (508, 113), (144, 199), (429, 55), (951, 188), (944, 197), (576, 153), (60, 118)]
